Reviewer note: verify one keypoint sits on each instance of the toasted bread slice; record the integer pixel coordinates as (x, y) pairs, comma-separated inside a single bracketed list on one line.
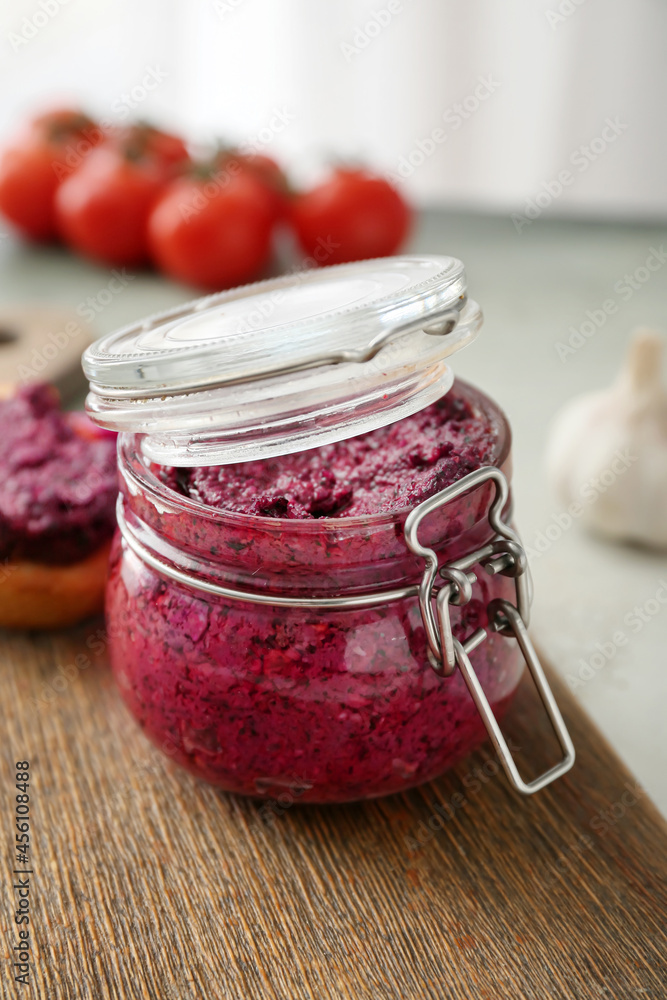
[(33, 595)]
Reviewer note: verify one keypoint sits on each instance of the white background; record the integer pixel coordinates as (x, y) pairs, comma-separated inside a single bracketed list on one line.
[(560, 69)]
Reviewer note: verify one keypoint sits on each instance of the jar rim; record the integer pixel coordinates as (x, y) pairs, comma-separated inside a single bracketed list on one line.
[(285, 365), (129, 447)]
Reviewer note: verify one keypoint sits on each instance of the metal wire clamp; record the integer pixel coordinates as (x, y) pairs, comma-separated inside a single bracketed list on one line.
[(505, 555)]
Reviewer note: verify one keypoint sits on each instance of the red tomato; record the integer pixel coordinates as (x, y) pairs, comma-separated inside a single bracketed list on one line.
[(264, 169), (166, 152), (215, 232), (103, 208), (33, 166), (354, 215)]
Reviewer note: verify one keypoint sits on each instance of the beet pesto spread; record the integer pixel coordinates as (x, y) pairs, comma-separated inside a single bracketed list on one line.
[(382, 471), (341, 703), (57, 487)]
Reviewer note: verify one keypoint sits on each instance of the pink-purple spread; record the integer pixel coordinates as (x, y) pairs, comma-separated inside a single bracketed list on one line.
[(57, 487), (309, 703), (385, 470)]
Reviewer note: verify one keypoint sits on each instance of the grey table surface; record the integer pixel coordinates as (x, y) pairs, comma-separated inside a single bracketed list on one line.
[(533, 286)]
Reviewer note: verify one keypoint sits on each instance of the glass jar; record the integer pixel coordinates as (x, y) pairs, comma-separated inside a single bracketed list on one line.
[(330, 659), (333, 704)]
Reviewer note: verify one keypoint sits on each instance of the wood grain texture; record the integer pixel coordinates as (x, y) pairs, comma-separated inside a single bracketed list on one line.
[(149, 884)]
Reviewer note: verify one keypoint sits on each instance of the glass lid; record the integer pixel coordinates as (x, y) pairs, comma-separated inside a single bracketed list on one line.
[(285, 364)]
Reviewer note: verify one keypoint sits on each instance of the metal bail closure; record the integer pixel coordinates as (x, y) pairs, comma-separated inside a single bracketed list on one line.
[(505, 555)]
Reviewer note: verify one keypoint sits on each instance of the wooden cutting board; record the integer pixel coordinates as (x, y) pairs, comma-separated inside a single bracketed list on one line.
[(149, 884), (42, 343)]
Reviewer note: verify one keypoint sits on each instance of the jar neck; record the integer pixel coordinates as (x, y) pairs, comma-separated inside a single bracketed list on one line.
[(323, 557), (321, 563)]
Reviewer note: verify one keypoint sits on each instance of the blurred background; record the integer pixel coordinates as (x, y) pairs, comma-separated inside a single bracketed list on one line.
[(369, 79), (530, 138)]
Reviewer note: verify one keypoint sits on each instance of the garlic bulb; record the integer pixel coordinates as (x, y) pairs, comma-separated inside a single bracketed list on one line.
[(607, 453)]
